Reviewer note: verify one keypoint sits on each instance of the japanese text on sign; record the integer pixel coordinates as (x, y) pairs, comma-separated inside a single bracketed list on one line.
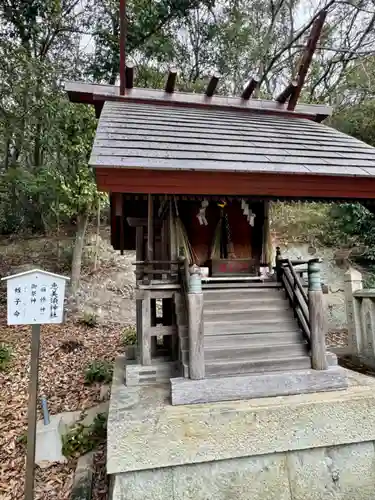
[(35, 298)]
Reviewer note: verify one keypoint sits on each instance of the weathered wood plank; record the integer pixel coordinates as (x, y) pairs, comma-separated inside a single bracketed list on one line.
[(129, 75), (196, 336), (139, 251), (113, 106), (171, 81), (157, 330), (250, 88), (317, 319), (145, 347), (155, 294), (173, 250), (211, 87), (159, 285), (185, 391), (365, 294), (150, 228), (236, 351), (105, 92), (286, 93)]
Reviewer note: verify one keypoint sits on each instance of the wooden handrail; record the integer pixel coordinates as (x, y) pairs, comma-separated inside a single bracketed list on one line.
[(297, 295), (297, 280), (294, 262), (145, 262)]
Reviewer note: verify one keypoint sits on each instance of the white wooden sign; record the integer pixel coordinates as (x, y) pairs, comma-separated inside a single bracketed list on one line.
[(35, 298)]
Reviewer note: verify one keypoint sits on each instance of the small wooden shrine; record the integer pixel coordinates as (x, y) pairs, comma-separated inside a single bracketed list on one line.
[(190, 179)]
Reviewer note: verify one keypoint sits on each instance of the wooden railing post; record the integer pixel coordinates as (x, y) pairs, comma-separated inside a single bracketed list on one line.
[(145, 347), (317, 318), (279, 272), (353, 283), (196, 335)]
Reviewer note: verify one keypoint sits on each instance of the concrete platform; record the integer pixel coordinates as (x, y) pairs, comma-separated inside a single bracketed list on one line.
[(311, 446)]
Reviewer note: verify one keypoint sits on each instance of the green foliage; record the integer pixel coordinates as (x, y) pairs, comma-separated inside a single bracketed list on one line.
[(301, 221), (45, 141), (339, 225), (99, 371), (352, 225), (89, 319), (81, 439), (5, 356), (369, 276), (22, 439), (129, 336)]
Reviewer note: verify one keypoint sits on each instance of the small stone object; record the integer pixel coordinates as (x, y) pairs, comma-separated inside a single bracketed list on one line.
[(82, 484), (104, 392)]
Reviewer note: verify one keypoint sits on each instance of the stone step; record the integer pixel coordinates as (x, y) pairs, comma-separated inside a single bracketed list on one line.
[(254, 326), (252, 339), (249, 315), (246, 303), (236, 367), (252, 353)]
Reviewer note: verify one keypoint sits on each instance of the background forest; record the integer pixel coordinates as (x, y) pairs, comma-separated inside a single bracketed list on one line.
[(45, 181)]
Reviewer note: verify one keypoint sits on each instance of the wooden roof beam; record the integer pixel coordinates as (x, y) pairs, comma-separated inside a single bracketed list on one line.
[(171, 81), (249, 89), (287, 93), (129, 76), (89, 93), (307, 58), (212, 84), (122, 45)]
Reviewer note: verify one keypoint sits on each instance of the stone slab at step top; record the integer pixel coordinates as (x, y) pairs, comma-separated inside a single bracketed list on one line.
[(236, 367), (254, 326), (185, 391), (255, 353)]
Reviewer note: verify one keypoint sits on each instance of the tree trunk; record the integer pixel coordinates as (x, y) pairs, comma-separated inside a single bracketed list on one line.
[(78, 250)]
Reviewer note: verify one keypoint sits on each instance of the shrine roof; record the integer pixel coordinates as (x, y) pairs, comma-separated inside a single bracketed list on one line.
[(155, 137), (97, 94)]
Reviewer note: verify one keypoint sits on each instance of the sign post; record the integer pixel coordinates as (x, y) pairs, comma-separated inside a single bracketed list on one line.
[(34, 298)]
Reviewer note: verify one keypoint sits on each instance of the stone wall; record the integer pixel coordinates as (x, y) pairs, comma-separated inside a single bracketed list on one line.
[(336, 472), (316, 446)]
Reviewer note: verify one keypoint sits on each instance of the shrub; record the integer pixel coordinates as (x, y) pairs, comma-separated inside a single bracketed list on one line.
[(5, 356), (89, 319), (22, 439), (129, 336), (99, 371), (81, 439)]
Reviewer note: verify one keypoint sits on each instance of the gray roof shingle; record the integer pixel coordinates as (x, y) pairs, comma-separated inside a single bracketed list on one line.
[(135, 135)]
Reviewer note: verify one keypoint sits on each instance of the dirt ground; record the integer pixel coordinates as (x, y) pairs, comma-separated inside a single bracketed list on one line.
[(106, 292), (61, 370)]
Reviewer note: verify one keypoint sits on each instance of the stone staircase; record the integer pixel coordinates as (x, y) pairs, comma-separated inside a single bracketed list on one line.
[(251, 330)]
